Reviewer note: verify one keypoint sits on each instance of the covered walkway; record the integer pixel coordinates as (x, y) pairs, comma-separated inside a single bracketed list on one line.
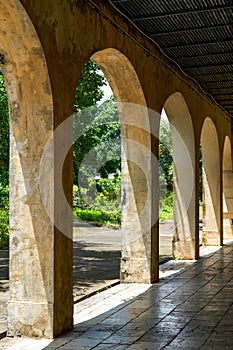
[(184, 69), (190, 308)]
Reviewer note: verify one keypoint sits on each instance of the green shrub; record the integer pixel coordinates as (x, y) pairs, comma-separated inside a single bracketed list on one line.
[(99, 218), (103, 209), (166, 208)]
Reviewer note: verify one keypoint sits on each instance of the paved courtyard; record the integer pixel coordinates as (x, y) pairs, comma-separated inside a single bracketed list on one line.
[(190, 308)]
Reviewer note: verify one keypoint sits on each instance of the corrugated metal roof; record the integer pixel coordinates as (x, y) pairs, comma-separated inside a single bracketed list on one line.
[(196, 34)]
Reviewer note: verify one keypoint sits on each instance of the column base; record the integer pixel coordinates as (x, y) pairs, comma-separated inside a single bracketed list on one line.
[(136, 270), (30, 319), (211, 238), (184, 249)]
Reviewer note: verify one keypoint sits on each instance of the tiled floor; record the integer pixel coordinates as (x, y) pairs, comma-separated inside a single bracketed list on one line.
[(190, 309)]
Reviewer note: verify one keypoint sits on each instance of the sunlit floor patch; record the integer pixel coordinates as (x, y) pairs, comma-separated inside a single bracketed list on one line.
[(100, 304)]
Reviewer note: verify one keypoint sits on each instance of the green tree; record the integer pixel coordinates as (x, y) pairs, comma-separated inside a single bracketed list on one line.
[(99, 139), (97, 125), (96, 132), (166, 171), (165, 156), (88, 91)]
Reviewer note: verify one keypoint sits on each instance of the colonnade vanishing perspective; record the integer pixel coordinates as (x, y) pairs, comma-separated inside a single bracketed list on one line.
[(44, 45)]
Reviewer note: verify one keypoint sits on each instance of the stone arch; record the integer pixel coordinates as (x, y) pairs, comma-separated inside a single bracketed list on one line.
[(227, 190), (139, 262), (183, 147), (31, 308), (211, 230)]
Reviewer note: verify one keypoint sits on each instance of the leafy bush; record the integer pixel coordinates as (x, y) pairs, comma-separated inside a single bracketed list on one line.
[(99, 202), (99, 218), (166, 208)]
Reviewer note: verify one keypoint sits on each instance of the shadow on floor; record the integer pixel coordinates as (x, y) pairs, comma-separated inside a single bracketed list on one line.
[(93, 268)]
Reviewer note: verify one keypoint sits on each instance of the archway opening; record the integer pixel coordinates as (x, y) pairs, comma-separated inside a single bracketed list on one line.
[(227, 192), (210, 185), (166, 220), (96, 185), (136, 241)]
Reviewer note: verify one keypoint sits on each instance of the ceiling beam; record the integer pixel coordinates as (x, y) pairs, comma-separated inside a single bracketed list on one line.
[(221, 89), (227, 104), (211, 65), (216, 81), (197, 43), (207, 54), (180, 12), (212, 73), (190, 29), (224, 99), (225, 94), (117, 1)]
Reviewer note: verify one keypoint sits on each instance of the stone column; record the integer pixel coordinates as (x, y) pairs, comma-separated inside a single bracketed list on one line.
[(184, 178), (41, 301), (139, 262)]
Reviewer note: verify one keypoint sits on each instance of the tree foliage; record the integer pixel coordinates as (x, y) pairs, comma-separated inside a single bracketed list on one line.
[(97, 149), (88, 91), (166, 171), (165, 156), (97, 126)]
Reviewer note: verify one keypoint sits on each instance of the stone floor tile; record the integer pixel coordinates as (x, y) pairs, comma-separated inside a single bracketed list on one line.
[(189, 311), (215, 347), (184, 346), (106, 328), (177, 319), (118, 339), (143, 326), (155, 345), (111, 347), (96, 335), (187, 343), (81, 344)]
